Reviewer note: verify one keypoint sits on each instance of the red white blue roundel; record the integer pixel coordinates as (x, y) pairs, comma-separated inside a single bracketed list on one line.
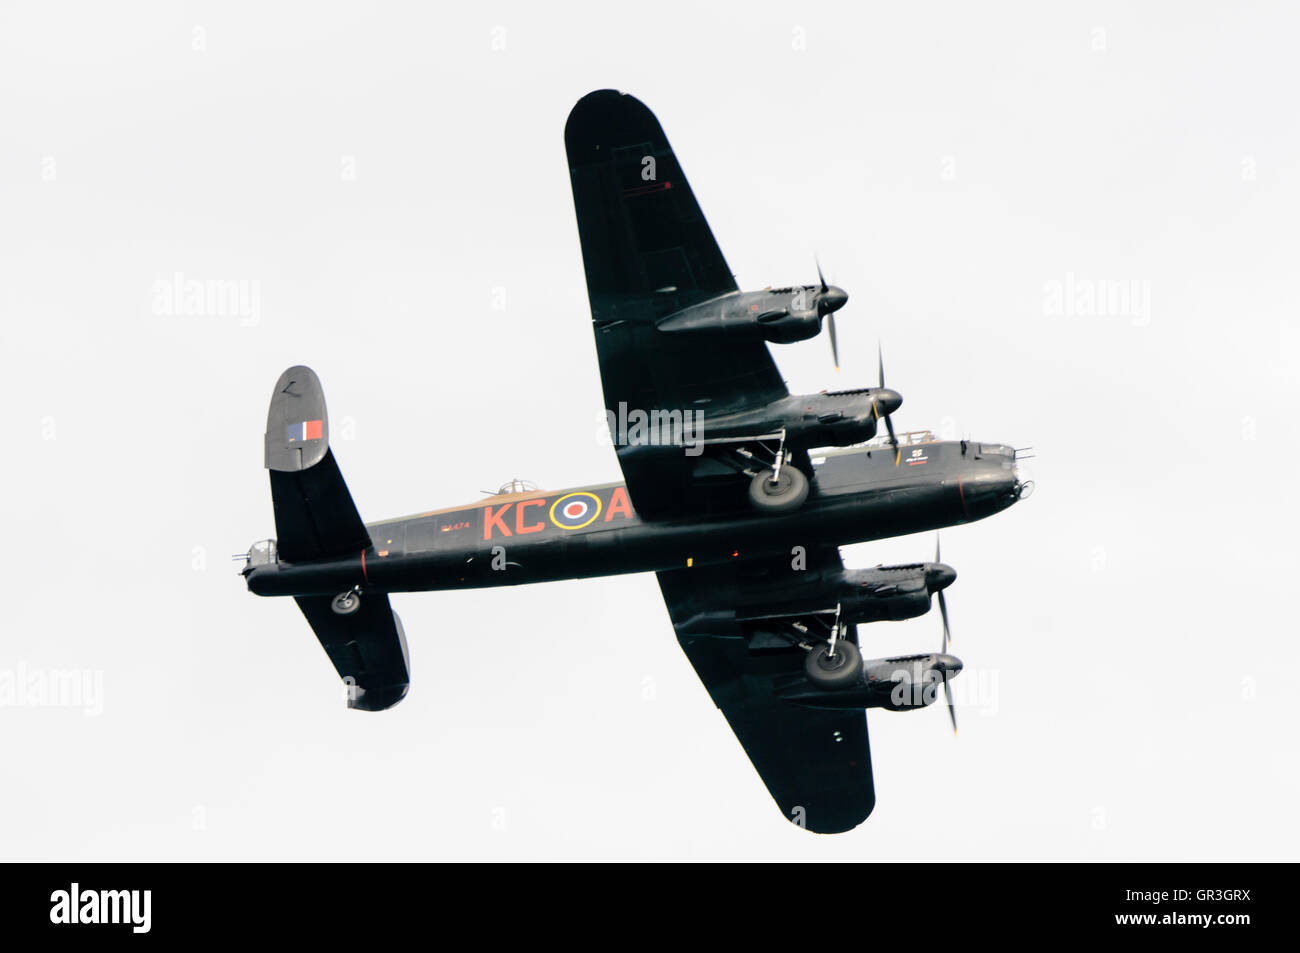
[(575, 510)]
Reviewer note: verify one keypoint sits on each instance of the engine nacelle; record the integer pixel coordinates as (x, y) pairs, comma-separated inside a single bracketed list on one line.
[(831, 419), (895, 684), (913, 681), (887, 593), (861, 595), (779, 315), (839, 418)]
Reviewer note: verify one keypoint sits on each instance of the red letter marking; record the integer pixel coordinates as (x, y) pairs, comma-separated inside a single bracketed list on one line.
[(520, 528), (619, 503), (491, 519)]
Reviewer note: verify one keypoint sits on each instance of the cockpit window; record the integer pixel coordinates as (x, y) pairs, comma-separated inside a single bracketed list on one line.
[(998, 450)]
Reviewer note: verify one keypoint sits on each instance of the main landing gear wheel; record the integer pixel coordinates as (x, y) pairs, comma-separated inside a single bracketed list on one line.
[(346, 603), (785, 494), (841, 670)]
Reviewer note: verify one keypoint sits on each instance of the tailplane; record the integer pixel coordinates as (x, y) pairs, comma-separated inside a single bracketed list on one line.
[(315, 519), (368, 648)]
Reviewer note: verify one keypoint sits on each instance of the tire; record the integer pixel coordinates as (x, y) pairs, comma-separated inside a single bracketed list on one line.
[(841, 671), (785, 496), (346, 603)]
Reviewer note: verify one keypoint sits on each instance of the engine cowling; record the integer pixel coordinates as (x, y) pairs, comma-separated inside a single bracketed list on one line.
[(861, 595), (888, 593), (840, 418), (895, 684), (909, 682), (779, 315), (829, 419)]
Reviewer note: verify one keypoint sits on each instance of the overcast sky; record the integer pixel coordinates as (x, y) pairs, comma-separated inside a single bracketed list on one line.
[(391, 191)]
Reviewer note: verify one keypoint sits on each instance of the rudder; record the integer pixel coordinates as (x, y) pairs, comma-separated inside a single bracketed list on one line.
[(315, 517)]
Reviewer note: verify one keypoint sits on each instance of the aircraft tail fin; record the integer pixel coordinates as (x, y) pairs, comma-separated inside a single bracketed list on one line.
[(315, 517)]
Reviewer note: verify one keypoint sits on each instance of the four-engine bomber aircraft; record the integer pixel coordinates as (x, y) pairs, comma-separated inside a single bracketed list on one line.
[(727, 497)]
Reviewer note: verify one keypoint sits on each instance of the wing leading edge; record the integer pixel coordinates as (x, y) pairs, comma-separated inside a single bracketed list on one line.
[(649, 252)]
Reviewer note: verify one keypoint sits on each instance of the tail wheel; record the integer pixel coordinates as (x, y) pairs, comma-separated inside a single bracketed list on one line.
[(841, 670), (785, 494), (346, 603)]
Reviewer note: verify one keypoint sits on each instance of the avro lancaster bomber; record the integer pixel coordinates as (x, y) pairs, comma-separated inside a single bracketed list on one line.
[(736, 494)]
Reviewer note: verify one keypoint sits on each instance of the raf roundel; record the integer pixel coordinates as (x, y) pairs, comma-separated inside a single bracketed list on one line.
[(575, 510)]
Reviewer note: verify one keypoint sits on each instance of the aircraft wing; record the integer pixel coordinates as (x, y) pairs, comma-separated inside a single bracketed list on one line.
[(649, 252), (816, 763)]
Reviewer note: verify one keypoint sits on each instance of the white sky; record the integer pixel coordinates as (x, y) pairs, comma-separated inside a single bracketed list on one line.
[(1128, 634)]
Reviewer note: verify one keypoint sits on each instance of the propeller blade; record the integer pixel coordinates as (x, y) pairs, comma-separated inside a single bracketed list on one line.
[(889, 423), (835, 347), (952, 711), (880, 362), (943, 611), (820, 276), (936, 548)]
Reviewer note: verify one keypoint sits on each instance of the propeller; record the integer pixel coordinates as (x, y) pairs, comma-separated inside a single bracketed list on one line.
[(835, 347), (947, 694), (943, 606), (875, 411), (947, 638), (829, 300)]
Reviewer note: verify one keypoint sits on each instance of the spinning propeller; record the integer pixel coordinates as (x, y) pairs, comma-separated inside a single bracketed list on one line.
[(947, 637), (943, 606), (887, 397), (829, 300)]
